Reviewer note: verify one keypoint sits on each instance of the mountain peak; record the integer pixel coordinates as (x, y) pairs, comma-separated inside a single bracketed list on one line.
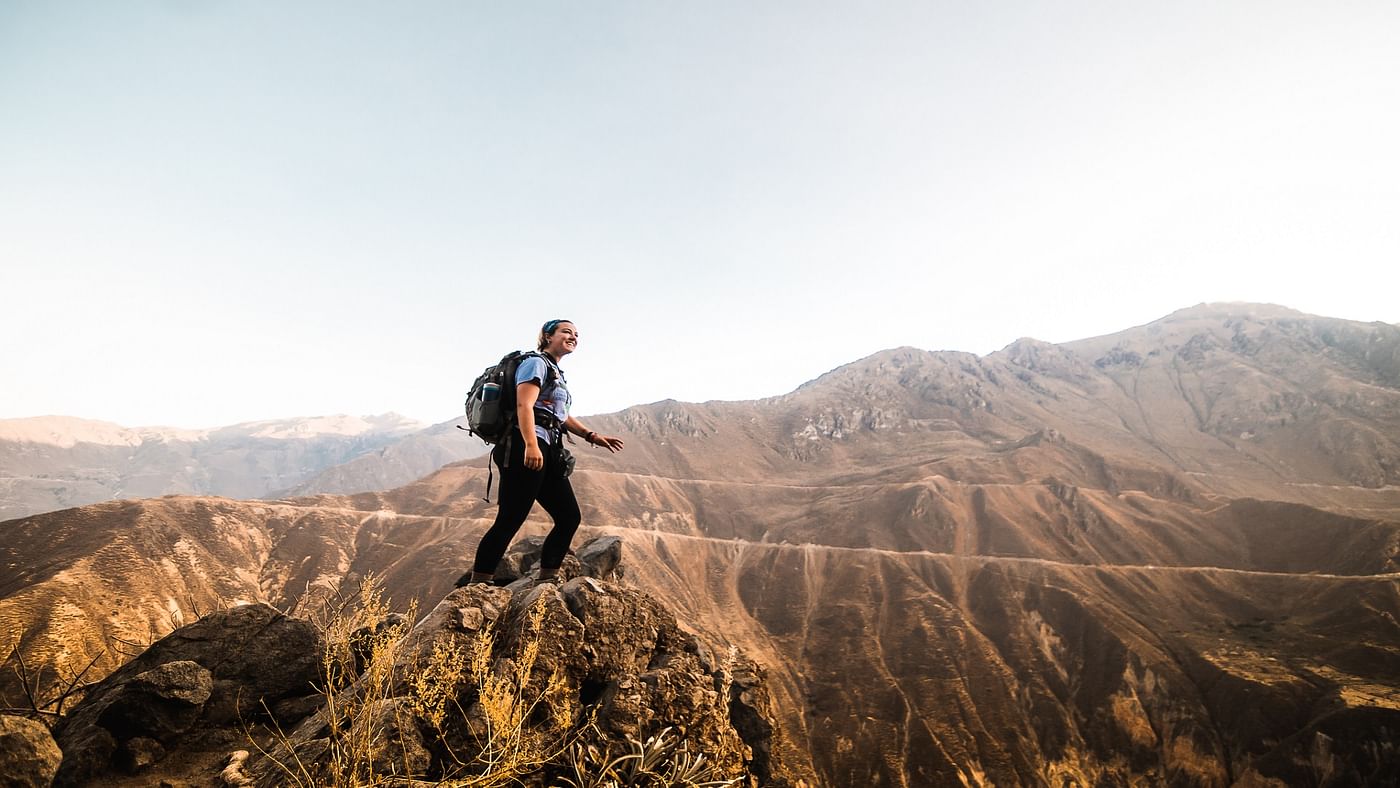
[(1232, 309)]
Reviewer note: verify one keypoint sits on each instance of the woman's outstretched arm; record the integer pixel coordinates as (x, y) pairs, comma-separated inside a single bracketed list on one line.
[(612, 444)]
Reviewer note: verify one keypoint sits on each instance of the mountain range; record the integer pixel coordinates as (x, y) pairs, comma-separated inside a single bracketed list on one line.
[(1164, 556), (57, 462)]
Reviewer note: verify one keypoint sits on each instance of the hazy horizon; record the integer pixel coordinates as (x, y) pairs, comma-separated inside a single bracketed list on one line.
[(433, 421), (215, 214)]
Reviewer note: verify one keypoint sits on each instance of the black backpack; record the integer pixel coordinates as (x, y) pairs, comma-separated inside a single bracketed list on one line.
[(491, 404), (491, 399)]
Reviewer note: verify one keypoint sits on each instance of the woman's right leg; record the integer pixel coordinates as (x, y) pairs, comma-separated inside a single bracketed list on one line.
[(514, 499)]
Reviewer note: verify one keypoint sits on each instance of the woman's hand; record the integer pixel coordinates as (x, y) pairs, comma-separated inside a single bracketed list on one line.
[(534, 458), (608, 442)]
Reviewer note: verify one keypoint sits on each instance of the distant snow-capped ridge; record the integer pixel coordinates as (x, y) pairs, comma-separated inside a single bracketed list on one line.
[(339, 424), (68, 431)]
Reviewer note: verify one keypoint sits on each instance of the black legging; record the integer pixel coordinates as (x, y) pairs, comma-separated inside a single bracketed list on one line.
[(520, 489)]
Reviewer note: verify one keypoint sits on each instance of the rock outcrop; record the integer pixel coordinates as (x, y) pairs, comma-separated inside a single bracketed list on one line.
[(532, 677), (195, 689), (591, 666)]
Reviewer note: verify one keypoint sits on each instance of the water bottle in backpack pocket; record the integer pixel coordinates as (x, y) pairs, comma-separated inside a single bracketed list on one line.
[(484, 409), (491, 400)]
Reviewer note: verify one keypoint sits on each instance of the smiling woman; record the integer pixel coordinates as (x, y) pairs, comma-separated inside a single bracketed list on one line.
[(534, 464)]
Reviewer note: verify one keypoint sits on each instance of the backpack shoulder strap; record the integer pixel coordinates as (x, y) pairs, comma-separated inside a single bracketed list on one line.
[(554, 373)]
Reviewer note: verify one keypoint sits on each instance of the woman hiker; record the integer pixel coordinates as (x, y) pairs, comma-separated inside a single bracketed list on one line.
[(531, 461)]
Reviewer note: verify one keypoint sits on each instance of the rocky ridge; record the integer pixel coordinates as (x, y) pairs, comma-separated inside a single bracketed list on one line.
[(612, 666)]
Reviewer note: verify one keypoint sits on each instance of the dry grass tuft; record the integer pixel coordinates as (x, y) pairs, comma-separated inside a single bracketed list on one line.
[(662, 761), (366, 727), (460, 712), (512, 737)]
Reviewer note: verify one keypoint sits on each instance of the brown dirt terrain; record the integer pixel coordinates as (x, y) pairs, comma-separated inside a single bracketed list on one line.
[(1165, 556)]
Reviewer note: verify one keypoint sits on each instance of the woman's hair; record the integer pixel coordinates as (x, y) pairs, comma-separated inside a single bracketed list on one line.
[(547, 331)]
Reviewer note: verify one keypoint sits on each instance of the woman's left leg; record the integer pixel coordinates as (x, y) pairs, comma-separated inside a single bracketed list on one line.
[(514, 499)]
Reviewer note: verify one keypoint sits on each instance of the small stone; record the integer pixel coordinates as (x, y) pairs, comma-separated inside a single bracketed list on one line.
[(140, 754), (233, 776), (470, 619), (28, 754), (703, 653), (601, 556)]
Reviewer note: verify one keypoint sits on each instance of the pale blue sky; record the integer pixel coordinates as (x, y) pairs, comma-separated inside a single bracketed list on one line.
[(218, 212)]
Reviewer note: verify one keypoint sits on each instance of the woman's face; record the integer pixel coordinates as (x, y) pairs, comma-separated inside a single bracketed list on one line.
[(563, 341)]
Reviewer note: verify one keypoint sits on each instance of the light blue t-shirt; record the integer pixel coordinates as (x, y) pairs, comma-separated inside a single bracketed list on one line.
[(554, 396)]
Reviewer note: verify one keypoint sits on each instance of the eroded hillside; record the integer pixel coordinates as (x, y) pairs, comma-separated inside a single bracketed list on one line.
[(1165, 555)]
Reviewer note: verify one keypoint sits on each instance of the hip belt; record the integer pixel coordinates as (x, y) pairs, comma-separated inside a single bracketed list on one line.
[(547, 419)]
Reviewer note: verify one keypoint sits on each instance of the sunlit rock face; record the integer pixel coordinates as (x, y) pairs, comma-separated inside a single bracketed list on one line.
[(1163, 555)]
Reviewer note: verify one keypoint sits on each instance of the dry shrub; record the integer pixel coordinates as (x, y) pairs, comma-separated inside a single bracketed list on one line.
[(379, 700), (366, 642), (44, 697), (520, 722), (434, 686), (365, 728), (492, 720)]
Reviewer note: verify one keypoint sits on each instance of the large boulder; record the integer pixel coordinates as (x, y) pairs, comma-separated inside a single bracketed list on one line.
[(197, 686), (159, 704), (28, 755)]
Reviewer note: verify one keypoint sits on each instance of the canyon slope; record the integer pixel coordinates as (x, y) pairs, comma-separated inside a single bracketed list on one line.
[(1169, 555)]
